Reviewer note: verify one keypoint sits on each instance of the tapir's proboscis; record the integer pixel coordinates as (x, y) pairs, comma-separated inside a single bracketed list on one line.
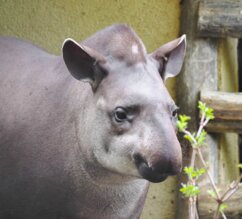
[(75, 150)]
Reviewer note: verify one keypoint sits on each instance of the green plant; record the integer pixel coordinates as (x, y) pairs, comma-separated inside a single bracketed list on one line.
[(191, 189)]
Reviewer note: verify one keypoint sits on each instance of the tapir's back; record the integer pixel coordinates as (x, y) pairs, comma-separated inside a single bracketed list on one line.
[(17, 53), (22, 64), (20, 60), (28, 74)]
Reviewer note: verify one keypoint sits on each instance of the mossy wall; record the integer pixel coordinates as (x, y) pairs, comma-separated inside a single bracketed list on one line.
[(48, 23)]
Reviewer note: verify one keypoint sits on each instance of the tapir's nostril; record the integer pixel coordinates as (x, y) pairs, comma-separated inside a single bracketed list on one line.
[(138, 159)]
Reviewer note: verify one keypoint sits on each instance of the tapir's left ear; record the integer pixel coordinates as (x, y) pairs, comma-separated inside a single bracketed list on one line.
[(170, 57), (83, 63)]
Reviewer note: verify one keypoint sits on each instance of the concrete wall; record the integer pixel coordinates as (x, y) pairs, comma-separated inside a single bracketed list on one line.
[(48, 22)]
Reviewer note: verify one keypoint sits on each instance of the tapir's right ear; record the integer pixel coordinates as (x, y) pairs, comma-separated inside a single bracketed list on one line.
[(170, 57), (83, 62)]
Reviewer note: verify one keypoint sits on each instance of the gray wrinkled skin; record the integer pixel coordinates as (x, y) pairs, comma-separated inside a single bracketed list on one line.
[(63, 155)]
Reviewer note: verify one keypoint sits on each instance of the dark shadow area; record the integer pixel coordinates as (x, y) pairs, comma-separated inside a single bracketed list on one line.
[(240, 89), (240, 63)]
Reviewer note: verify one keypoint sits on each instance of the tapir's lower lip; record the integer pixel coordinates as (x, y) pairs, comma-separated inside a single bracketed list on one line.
[(149, 174), (156, 178), (152, 176)]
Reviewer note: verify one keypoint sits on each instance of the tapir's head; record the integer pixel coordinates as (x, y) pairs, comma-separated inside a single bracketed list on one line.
[(131, 116)]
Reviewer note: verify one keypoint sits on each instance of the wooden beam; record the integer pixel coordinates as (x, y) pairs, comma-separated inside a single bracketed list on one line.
[(227, 110), (207, 205), (220, 126), (220, 18), (223, 101)]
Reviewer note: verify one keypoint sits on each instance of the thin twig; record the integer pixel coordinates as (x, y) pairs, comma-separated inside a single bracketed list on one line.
[(230, 191), (191, 207), (201, 125), (193, 158), (233, 187), (217, 212), (196, 213), (208, 173), (224, 216), (191, 136)]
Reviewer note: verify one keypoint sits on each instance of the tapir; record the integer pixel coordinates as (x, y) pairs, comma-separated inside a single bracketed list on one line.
[(83, 134)]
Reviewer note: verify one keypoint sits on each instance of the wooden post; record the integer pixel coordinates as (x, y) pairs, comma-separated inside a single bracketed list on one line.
[(220, 18), (227, 110), (199, 73)]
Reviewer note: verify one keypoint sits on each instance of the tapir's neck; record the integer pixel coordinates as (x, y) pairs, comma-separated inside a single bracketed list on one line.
[(102, 177)]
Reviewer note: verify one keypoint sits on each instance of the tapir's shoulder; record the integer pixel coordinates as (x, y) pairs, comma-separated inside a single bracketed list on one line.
[(11, 40)]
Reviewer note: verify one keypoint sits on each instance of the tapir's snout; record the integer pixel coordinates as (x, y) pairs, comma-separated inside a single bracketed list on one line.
[(156, 167), (157, 172)]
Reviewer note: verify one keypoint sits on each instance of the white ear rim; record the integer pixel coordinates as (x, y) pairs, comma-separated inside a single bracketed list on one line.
[(72, 40), (168, 75), (183, 38)]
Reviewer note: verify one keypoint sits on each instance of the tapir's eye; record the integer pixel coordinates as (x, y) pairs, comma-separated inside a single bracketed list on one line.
[(120, 114), (175, 112)]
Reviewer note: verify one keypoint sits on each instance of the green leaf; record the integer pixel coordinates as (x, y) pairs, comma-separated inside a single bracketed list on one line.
[(184, 118), (209, 114), (201, 138), (206, 110), (200, 172), (189, 171), (194, 173), (222, 207), (202, 106), (240, 165), (182, 122), (189, 138), (181, 126), (211, 193), (189, 190)]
